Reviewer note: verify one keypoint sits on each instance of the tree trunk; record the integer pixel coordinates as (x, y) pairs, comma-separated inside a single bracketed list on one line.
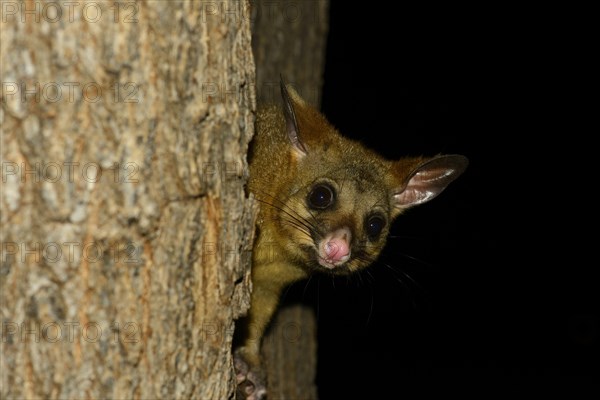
[(289, 38), (126, 232)]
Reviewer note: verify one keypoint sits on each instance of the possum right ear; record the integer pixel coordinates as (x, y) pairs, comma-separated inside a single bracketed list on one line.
[(290, 117), (427, 179)]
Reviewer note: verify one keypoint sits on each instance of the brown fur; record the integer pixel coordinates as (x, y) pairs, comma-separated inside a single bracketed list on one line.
[(281, 178)]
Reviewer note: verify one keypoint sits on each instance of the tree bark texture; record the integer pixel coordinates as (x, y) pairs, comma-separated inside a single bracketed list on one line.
[(289, 38), (126, 232)]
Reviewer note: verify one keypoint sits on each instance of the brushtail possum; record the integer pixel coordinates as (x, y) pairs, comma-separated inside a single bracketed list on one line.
[(326, 205)]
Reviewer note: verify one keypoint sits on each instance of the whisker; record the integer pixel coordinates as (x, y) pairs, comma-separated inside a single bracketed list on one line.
[(403, 237), (404, 273), (296, 201), (296, 218), (285, 293), (306, 285), (296, 225), (418, 260), (291, 209), (409, 292), (360, 279), (344, 180), (371, 307), (406, 288), (371, 275), (318, 296)]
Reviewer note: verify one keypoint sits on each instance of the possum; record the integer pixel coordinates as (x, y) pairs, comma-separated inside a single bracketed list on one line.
[(326, 206)]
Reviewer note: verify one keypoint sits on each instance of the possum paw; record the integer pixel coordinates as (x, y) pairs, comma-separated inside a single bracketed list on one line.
[(251, 382)]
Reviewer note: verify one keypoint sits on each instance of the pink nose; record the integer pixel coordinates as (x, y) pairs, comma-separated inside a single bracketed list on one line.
[(334, 249)]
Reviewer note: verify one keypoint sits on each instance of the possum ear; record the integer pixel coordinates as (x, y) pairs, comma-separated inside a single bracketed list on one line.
[(428, 179), (289, 96)]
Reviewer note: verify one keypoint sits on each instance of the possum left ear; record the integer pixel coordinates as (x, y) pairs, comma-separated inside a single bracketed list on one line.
[(290, 117), (428, 180)]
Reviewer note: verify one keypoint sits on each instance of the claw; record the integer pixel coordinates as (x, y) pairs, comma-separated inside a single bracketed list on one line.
[(250, 385)]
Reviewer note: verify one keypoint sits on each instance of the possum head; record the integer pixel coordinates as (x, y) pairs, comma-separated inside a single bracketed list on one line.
[(336, 212)]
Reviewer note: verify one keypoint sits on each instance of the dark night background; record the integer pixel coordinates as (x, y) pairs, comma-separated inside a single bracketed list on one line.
[(482, 299)]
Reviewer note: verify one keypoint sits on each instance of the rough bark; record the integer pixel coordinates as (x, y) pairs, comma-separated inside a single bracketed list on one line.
[(126, 231), (289, 38)]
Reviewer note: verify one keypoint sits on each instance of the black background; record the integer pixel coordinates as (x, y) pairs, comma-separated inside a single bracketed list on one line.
[(474, 284)]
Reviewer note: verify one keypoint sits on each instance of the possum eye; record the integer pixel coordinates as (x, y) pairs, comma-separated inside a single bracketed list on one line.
[(374, 225), (321, 197)]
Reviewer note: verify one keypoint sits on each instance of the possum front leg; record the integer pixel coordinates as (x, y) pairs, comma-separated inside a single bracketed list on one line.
[(250, 374), (268, 280)]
